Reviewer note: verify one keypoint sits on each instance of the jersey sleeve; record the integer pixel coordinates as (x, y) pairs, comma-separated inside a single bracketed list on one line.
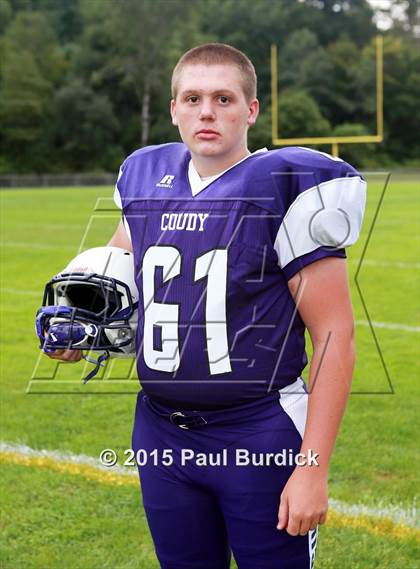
[(325, 212), (118, 201)]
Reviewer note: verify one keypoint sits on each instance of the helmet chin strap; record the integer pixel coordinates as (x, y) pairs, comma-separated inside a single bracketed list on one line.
[(98, 364)]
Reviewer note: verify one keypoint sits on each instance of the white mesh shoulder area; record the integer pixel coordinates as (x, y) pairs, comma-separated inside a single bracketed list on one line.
[(329, 214)]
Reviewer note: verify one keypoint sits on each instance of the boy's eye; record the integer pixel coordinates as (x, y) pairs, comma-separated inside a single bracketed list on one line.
[(223, 99), (192, 99)]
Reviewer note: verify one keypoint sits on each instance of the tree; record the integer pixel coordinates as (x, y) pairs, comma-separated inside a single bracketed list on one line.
[(5, 14), (69, 54), (85, 129), (259, 134), (299, 116), (401, 108), (345, 97), (31, 32), (140, 33), (305, 65), (332, 19), (127, 52), (32, 65), (357, 154), (24, 96)]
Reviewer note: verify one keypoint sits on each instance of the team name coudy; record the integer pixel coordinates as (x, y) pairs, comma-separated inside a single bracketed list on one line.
[(183, 221)]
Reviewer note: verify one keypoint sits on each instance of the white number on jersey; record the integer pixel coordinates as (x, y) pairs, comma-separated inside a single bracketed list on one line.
[(212, 265)]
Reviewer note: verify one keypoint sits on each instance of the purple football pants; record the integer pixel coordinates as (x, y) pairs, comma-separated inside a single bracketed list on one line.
[(198, 511)]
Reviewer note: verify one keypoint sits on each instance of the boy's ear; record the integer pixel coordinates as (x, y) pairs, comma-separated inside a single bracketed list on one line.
[(254, 107), (173, 112)]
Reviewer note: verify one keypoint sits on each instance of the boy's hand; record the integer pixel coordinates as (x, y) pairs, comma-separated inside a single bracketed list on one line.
[(304, 501), (71, 356)]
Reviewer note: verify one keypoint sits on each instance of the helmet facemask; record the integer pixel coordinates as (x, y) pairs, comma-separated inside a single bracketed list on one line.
[(91, 311)]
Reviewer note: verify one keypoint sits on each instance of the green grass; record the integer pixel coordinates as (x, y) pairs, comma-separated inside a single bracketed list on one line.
[(72, 523), (63, 521), (77, 524)]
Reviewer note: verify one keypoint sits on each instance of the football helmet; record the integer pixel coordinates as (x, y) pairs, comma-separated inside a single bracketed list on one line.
[(91, 305)]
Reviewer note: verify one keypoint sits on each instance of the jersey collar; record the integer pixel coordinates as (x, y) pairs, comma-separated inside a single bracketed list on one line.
[(198, 184)]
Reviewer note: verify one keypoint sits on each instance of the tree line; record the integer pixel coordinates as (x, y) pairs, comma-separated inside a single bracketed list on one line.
[(85, 82)]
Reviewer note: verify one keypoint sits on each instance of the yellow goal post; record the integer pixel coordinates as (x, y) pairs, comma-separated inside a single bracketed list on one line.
[(333, 140)]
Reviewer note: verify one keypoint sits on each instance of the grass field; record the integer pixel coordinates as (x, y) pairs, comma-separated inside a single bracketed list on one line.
[(66, 517)]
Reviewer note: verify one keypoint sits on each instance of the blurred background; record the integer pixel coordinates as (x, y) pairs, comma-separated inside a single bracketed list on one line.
[(85, 82)]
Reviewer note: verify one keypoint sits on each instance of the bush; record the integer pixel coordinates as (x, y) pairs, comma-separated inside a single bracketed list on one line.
[(358, 155)]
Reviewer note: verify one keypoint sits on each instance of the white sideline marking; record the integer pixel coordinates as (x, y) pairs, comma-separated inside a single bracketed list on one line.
[(62, 456), (389, 264), (396, 513), (389, 326), (20, 292), (52, 225), (22, 245)]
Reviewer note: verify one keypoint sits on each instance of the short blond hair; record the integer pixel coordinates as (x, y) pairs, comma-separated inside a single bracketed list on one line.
[(218, 54)]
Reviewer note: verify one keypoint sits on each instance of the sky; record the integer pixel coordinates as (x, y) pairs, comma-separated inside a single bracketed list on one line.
[(386, 11)]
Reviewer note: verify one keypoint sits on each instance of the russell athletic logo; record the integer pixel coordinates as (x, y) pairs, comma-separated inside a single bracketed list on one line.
[(166, 181)]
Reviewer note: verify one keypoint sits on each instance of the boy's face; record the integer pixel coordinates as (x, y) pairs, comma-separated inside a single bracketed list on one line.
[(211, 111)]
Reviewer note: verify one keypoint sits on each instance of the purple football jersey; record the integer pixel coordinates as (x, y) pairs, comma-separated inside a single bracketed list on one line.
[(217, 324)]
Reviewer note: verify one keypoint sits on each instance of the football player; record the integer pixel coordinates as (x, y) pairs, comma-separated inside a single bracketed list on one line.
[(236, 253)]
